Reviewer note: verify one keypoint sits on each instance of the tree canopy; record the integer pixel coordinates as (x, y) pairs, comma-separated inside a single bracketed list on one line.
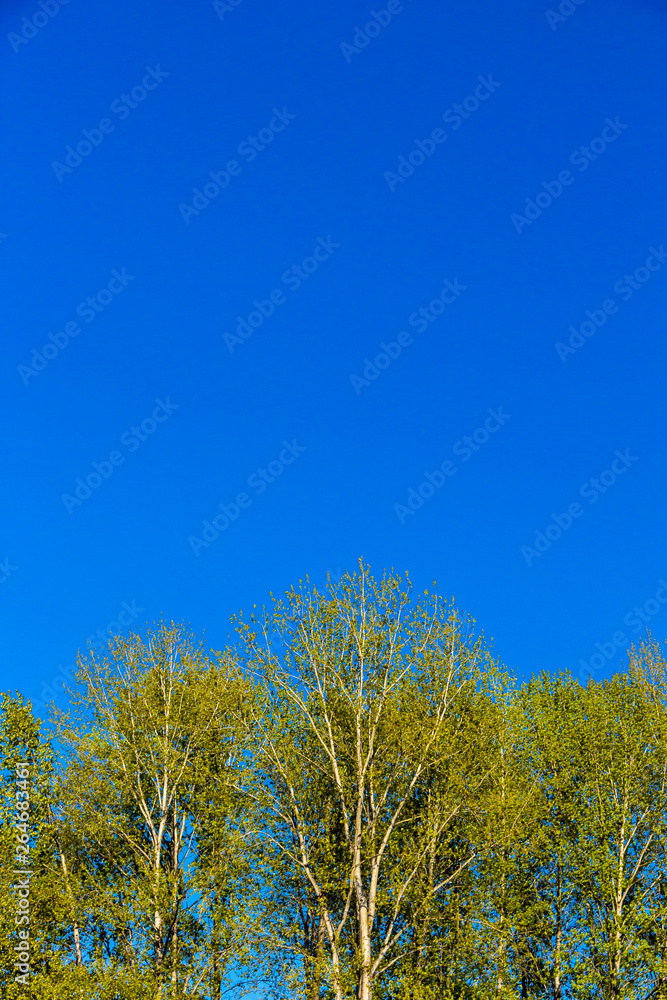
[(353, 799)]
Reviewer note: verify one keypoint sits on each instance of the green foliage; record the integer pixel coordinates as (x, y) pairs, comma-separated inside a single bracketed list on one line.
[(356, 801)]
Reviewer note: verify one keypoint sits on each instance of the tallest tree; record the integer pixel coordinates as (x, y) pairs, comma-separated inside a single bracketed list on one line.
[(372, 707)]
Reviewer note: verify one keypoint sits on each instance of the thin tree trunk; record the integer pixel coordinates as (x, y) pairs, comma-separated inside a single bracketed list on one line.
[(75, 925), (559, 934)]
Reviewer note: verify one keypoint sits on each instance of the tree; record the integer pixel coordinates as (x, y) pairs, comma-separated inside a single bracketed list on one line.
[(25, 767), (367, 756), (547, 743), (621, 811), (146, 799)]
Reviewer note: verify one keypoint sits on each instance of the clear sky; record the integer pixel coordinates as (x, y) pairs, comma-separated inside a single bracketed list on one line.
[(266, 266)]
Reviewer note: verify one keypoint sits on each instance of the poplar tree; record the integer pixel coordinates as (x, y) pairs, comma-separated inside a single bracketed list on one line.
[(549, 752), (365, 764), (621, 803), (147, 799)]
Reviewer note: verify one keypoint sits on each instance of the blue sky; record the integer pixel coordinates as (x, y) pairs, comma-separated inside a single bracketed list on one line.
[(216, 220)]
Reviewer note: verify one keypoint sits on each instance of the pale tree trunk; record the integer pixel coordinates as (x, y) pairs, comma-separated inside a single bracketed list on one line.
[(615, 985), (76, 934), (157, 941), (364, 984), (174, 939), (158, 918), (365, 990), (500, 979), (75, 924)]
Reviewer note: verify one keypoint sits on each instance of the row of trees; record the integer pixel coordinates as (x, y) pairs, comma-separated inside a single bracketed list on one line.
[(354, 801)]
